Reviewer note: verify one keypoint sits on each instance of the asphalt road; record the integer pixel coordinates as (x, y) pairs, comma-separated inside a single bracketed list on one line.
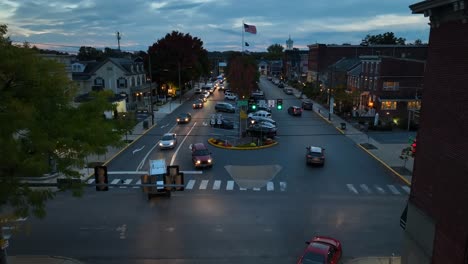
[(251, 207)]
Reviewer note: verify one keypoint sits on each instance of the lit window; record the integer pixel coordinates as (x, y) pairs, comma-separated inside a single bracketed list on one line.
[(391, 86), (389, 105), (414, 105)]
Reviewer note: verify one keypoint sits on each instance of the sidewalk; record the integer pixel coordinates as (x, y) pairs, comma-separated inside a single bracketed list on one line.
[(375, 260), (387, 154)]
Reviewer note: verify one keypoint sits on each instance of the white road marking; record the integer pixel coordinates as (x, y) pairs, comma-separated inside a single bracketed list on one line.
[(230, 185), (270, 186), (352, 189), (190, 185), (127, 181), (203, 184), (406, 188), (256, 189), (192, 172), (217, 185), (365, 188), (90, 181), (136, 150), (181, 143), (393, 189), (380, 189), (163, 126), (115, 181), (283, 186), (139, 183)]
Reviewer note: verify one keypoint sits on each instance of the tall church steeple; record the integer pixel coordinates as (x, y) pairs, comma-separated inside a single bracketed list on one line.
[(289, 43)]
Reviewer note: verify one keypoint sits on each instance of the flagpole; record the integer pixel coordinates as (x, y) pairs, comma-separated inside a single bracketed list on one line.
[(243, 36)]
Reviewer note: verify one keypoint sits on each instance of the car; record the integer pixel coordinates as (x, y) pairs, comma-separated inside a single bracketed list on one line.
[(197, 104), (315, 155), (201, 156), (230, 96), (225, 124), (288, 91), (168, 140), (184, 118), (281, 85), (262, 129), (307, 104), (203, 98), (258, 93), (260, 119), (260, 113), (295, 110), (206, 94), (225, 107), (198, 90), (321, 250)]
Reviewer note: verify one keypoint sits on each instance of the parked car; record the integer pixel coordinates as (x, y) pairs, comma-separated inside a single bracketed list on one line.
[(295, 110), (168, 140), (201, 156), (260, 113), (184, 118), (263, 129), (259, 119), (225, 124), (307, 104), (315, 155), (230, 96), (225, 107), (280, 85), (197, 104), (321, 249), (198, 90), (288, 91)]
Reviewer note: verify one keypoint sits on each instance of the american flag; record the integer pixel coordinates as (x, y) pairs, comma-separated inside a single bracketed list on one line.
[(250, 28)]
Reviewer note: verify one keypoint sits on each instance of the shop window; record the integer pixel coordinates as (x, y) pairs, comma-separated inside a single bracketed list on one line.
[(389, 105), (414, 105)]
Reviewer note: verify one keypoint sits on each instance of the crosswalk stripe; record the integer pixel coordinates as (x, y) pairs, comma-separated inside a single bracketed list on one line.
[(351, 188), (270, 186), (406, 188), (115, 181), (127, 181), (393, 189), (256, 189), (379, 189), (365, 188), (242, 189), (283, 186), (230, 185), (203, 184), (190, 185), (90, 181), (139, 183), (216, 185)]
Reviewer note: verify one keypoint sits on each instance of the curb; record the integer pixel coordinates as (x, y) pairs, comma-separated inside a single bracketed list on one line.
[(368, 260), (40, 258), (387, 166), (245, 148)]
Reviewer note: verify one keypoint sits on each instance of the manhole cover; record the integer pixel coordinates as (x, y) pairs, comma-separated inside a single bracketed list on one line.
[(368, 146)]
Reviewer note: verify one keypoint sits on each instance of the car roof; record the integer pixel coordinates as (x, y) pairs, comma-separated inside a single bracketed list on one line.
[(315, 149), (169, 134), (199, 146), (318, 247)]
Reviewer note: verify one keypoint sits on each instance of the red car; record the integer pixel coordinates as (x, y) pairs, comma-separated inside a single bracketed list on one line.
[(321, 250), (201, 156)]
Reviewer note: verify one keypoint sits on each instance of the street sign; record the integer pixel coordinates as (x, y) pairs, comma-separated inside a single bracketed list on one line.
[(4, 243), (271, 103), (241, 102), (262, 103)]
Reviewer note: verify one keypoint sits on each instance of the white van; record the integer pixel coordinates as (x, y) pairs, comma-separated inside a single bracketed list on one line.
[(260, 113)]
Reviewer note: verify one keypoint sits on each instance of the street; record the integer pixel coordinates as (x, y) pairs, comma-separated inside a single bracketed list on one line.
[(228, 217)]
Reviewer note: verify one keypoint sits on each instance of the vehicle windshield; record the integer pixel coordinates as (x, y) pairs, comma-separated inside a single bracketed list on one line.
[(313, 258), (167, 137), (201, 152)]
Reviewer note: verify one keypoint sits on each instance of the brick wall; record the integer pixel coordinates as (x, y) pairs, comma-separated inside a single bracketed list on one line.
[(440, 178)]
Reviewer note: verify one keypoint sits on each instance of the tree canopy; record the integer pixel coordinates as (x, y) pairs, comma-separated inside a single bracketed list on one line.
[(242, 74), (43, 131), (275, 52), (178, 51), (385, 38)]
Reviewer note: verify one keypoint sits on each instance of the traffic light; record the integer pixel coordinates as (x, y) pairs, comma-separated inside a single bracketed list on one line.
[(100, 175), (252, 104), (279, 104)]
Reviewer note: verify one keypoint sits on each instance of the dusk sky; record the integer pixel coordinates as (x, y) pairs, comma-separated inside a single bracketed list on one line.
[(69, 24)]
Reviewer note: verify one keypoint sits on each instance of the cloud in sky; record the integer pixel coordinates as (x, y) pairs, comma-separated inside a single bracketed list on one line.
[(217, 23)]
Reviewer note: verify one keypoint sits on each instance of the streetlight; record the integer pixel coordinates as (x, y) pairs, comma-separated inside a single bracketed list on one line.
[(151, 88)]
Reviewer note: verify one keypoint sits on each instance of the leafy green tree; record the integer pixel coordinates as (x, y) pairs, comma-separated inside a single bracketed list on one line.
[(43, 130), (275, 52), (89, 53), (385, 38), (178, 51), (242, 74)]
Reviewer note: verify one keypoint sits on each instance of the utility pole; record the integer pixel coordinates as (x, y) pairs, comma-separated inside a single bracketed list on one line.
[(118, 39), (180, 87), (151, 87)]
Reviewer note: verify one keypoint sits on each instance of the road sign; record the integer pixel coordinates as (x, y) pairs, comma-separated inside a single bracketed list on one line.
[(241, 102), (271, 103), (243, 115), (4, 243)]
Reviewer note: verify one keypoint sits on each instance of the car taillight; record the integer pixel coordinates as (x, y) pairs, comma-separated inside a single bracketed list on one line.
[(309, 156)]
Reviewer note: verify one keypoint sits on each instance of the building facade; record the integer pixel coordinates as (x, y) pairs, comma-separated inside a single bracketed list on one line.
[(295, 63), (436, 225)]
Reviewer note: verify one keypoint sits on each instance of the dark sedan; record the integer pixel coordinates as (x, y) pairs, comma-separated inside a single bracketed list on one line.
[(315, 155), (225, 124), (263, 129), (295, 111), (197, 104), (184, 118), (307, 105)]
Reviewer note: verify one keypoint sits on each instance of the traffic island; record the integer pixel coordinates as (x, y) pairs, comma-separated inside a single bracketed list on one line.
[(224, 144)]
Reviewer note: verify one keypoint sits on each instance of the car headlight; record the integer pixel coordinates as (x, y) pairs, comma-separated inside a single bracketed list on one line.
[(209, 161), (194, 105), (178, 119), (160, 144), (171, 143), (198, 161), (186, 119)]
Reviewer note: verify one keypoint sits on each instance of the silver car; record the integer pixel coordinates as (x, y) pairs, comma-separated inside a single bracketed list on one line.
[(168, 141)]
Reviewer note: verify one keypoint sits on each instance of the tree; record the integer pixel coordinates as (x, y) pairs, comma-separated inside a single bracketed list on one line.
[(275, 52), (178, 51), (89, 53), (242, 74), (386, 38), (418, 42), (45, 132)]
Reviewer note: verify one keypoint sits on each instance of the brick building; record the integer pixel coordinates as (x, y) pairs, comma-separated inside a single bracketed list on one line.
[(437, 215)]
